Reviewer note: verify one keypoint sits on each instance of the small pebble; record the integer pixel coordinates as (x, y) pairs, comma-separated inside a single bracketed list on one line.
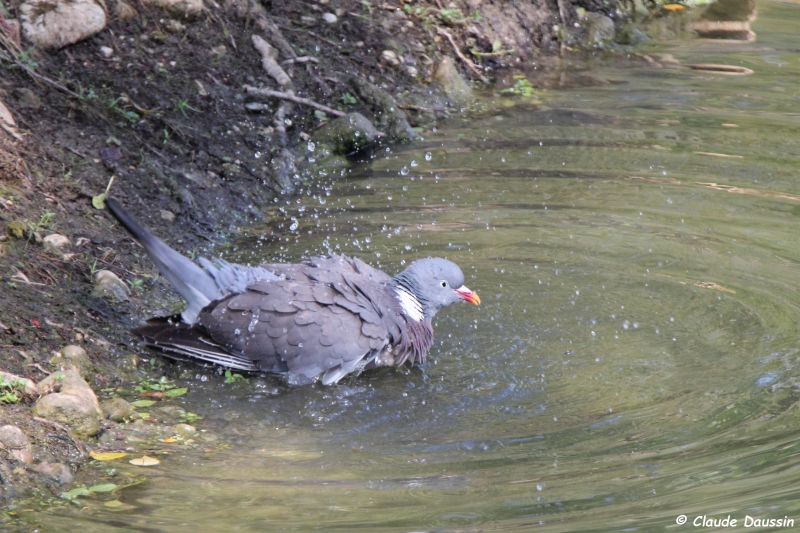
[(106, 51), (169, 216), (330, 18), (56, 241), (390, 57)]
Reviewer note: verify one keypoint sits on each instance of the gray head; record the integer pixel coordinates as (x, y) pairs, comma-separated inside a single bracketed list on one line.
[(434, 283)]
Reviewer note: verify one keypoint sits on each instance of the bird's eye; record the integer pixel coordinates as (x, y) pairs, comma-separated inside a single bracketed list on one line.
[(443, 283)]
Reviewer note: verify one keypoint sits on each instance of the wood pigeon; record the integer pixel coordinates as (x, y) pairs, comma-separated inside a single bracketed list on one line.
[(322, 318)]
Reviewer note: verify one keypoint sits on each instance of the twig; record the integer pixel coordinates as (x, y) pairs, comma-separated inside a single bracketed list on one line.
[(460, 55), (38, 367), (68, 149), (293, 98), (19, 276), (303, 59)]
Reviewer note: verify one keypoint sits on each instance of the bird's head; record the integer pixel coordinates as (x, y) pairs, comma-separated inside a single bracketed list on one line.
[(434, 283)]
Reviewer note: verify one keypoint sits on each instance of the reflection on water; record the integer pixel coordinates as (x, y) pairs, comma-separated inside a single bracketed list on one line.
[(635, 357)]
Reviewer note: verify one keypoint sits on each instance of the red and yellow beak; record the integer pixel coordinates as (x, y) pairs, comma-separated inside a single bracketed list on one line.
[(468, 295)]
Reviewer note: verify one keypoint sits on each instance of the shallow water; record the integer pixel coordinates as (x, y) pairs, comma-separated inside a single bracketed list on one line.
[(635, 357)]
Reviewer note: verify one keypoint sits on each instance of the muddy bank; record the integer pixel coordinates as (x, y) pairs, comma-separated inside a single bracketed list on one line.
[(209, 117)]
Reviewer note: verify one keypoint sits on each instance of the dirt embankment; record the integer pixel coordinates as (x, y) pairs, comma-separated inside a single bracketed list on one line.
[(168, 97)]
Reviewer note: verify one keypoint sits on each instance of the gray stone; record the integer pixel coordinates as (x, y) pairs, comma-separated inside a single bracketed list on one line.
[(56, 241), (76, 406), (389, 118), (184, 430), (13, 437), (108, 285), (599, 29), (348, 134), (453, 84), (118, 410)]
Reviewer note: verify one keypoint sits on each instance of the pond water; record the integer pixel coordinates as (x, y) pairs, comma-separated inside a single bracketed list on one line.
[(635, 357)]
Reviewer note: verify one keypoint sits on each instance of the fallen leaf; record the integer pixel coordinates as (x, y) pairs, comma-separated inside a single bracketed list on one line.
[(145, 461), (153, 394), (174, 393), (113, 503), (169, 440), (105, 487), (107, 456), (673, 7), (143, 403), (99, 201), (74, 493)]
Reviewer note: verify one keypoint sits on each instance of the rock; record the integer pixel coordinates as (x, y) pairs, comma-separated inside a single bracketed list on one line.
[(76, 406), (330, 18), (184, 430), (108, 285), (17, 229), (56, 241), (124, 11), (599, 29), (59, 471), (13, 437), (118, 410), (74, 357), (24, 384), (169, 216), (390, 57), (23, 455), (454, 86), (348, 134), (57, 23), (388, 116), (107, 51), (174, 26), (51, 383), (185, 9)]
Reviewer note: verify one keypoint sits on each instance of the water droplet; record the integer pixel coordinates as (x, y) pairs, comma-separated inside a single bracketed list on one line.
[(404, 171), (414, 163), (540, 486), (311, 146), (237, 332), (626, 324), (257, 155), (428, 156)]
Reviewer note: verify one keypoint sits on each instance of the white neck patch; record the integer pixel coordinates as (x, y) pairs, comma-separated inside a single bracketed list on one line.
[(409, 303)]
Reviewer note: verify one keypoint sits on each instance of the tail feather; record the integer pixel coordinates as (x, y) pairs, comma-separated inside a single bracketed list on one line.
[(196, 285)]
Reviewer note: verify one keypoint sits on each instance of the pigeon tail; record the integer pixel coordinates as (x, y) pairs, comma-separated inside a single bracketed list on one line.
[(199, 285), (196, 285)]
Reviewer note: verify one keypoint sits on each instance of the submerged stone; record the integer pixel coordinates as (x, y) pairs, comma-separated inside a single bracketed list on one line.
[(348, 134), (453, 84)]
